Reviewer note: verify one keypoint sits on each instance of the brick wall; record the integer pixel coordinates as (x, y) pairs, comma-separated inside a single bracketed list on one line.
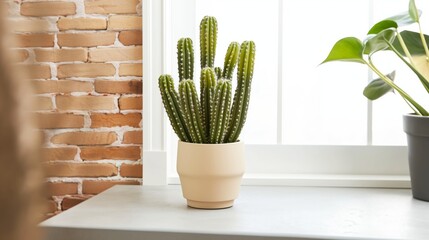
[(84, 57)]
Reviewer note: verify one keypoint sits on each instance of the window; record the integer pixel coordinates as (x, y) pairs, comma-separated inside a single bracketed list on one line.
[(307, 124)]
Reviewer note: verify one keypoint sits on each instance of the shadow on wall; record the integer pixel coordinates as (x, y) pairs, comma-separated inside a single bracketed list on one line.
[(21, 178)]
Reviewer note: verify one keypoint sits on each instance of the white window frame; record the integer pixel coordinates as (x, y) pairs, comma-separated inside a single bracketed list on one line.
[(293, 165)]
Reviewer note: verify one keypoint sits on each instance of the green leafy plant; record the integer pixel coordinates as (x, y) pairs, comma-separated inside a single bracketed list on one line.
[(410, 47), (209, 117)]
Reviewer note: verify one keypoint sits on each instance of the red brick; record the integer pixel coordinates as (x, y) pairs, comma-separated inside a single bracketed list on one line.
[(87, 103), (108, 86), (59, 120), (84, 138), (86, 39), (114, 120), (80, 170), (133, 137), (131, 170), (69, 202), (61, 188), (40, 9), (114, 153), (95, 187), (131, 103), (51, 206), (61, 153), (130, 38), (34, 40), (86, 70)]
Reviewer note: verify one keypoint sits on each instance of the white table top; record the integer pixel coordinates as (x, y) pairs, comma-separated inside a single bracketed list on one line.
[(260, 212)]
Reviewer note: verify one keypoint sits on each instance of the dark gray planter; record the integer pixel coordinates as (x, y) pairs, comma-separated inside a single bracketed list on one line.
[(417, 129)]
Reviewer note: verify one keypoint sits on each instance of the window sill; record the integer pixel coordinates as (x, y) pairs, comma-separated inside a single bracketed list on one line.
[(260, 212)]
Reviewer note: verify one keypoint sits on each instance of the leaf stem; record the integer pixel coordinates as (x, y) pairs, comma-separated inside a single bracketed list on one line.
[(406, 51), (425, 46), (420, 109)]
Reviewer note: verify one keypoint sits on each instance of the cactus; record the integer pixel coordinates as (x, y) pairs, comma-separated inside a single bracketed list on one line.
[(207, 89), (218, 72), (238, 116), (171, 102), (191, 110), (208, 40), (220, 111), (185, 58), (231, 58), (212, 120)]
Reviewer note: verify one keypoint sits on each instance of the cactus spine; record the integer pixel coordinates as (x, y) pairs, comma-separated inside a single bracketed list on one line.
[(207, 89), (238, 116), (231, 58), (191, 110), (208, 40), (171, 102), (185, 58), (220, 111)]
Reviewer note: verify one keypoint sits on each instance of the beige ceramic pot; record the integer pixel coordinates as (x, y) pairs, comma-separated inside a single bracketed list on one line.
[(210, 174)]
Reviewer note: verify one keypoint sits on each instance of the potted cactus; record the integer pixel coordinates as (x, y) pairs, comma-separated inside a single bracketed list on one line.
[(412, 49), (210, 158)]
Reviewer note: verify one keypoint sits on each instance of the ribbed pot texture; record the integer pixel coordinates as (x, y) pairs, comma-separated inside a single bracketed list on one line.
[(417, 129), (210, 174)]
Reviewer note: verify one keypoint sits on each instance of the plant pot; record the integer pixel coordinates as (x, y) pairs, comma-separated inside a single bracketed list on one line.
[(210, 174), (417, 129)]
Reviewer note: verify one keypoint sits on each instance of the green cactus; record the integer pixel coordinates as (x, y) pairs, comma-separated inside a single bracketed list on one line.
[(208, 40), (218, 72), (185, 58), (207, 89), (191, 110), (171, 102), (231, 58), (240, 105), (212, 120), (220, 111)]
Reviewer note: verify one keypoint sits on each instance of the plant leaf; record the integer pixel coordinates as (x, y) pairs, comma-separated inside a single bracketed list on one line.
[(382, 25), (404, 18), (413, 11), (348, 49), (378, 42), (412, 41), (377, 87)]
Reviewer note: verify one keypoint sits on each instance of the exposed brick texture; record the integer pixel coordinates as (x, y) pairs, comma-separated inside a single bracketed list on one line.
[(131, 170), (115, 54), (110, 6), (40, 9), (95, 187), (61, 86), (84, 138), (59, 120), (61, 55), (130, 37), (133, 137), (86, 39), (67, 102), (114, 153), (107, 86), (81, 170), (69, 202), (86, 70), (82, 24), (130, 69), (84, 61), (130, 103), (62, 188), (115, 120), (59, 153)]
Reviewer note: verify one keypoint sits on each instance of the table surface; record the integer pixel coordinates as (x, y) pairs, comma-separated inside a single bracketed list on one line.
[(260, 212)]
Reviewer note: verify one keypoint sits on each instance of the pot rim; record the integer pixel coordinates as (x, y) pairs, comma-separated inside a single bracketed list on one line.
[(211, 144), (414, 115)]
